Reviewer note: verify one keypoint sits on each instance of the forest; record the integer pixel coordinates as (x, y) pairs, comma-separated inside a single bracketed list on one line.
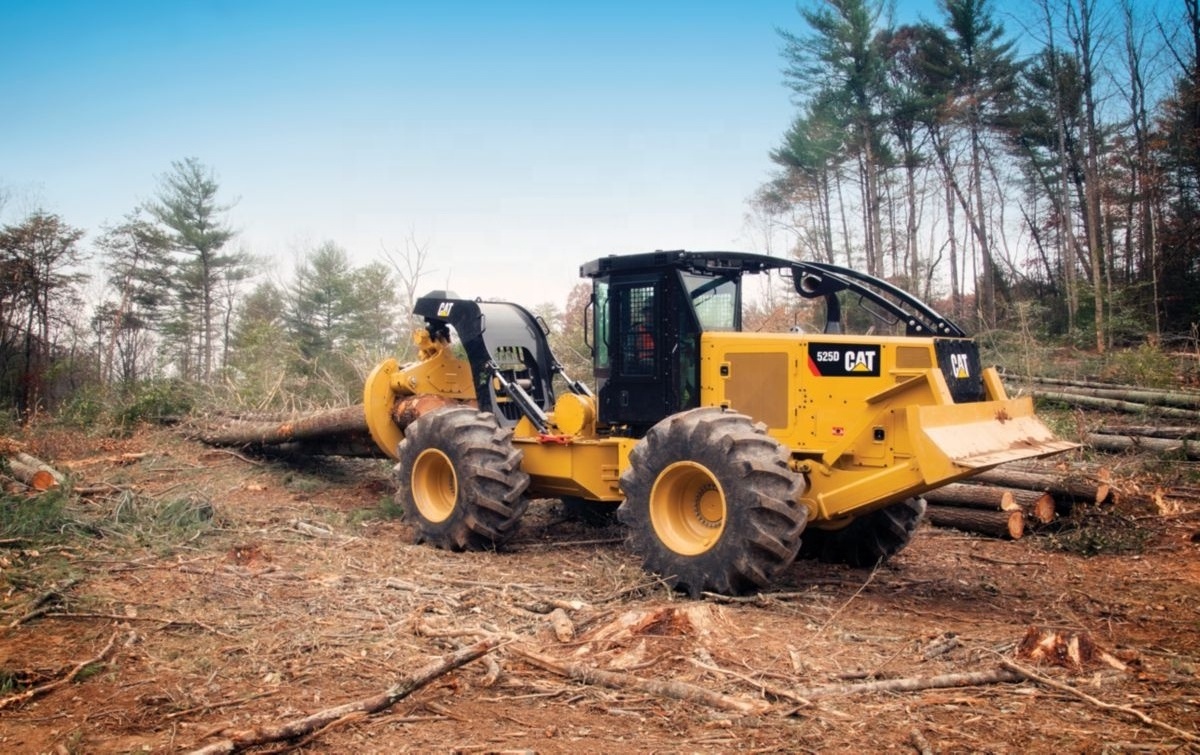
[(1036, 174)]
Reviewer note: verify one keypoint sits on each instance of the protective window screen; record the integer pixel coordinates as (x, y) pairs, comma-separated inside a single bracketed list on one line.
[(638, 325)]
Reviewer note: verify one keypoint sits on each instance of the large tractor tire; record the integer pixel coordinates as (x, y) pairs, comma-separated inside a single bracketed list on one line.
[(459, 480), (711, 504), (868, 540)]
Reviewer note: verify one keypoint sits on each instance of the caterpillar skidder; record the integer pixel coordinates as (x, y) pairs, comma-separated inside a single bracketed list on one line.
[(717, 447)]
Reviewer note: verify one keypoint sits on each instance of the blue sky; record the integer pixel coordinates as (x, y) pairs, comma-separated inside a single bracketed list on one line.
[(518, 140)]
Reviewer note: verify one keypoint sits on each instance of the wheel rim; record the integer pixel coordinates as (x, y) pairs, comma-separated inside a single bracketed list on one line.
[(687, 508), (434, 485)]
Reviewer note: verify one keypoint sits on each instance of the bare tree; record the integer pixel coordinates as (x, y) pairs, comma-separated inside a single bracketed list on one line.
[(411, 264), (38, 283)]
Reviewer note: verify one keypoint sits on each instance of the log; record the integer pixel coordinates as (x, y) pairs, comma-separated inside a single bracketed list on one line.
[(1010, 524), (985, 497), (1094, 402), (1059, 486), (1140, 394), (1178, 432), (330, 432), (322, 425), (911, 684), (39, 465), (354, 446), (38, 479), (299, 727), (1124, 443)]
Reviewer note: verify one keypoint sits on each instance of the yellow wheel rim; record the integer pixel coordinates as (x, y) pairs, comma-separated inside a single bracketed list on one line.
[(434, 485), (687, 508)]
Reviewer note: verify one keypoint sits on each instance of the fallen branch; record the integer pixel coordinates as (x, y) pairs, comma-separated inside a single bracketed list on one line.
[(765, 688), (301, 727), (42, 689), (1033, 676), (911, 684), (669, 689), (41, 605)]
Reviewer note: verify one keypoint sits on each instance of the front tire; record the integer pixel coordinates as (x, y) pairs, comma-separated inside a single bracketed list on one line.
[(711, 504), (459, 480), (868, 540)]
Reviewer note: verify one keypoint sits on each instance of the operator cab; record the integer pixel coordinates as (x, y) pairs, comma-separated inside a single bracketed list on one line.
[(648, 313)]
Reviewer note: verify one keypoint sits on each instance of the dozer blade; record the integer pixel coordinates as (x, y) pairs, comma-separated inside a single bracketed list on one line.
[(982, 435)]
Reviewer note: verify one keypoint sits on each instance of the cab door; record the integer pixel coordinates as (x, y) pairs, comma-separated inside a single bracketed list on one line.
[(632, 350)]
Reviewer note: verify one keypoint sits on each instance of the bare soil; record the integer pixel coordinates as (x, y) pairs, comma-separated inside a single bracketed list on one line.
[(301, 594)]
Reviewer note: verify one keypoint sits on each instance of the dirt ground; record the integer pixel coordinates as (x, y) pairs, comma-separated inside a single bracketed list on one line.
[(294, 592)]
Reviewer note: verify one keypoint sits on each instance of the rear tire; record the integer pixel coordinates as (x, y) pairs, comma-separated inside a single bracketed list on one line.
[(459, 480), (868, 540), (711, 503)]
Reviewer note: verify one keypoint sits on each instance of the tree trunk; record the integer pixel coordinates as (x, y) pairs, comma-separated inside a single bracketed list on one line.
[(324, 425), (1178, 432), (1113, 404), (1121, 443), (1009, 524), (1056, 485), (1181, 399), (38, 479), (984, 497)]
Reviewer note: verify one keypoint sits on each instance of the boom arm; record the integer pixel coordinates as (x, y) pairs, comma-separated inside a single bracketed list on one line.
[(814, 279)]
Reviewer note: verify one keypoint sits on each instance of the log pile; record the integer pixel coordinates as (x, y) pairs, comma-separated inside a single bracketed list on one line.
[(1008, 501), (1177, 404), (25, 471), (1013, 499), (997, 510)]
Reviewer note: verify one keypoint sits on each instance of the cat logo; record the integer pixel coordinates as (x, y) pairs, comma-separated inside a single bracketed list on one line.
[(860, 361), (444, 309), (960, 367)]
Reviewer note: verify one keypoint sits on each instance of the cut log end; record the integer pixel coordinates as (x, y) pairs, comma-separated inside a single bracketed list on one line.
[(42, 480), (1043, 509)]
